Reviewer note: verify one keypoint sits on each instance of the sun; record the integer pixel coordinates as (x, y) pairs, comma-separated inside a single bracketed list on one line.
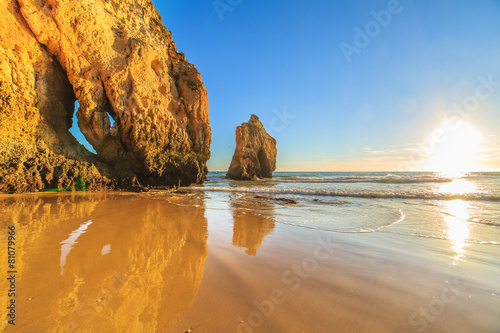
[(458, 151)]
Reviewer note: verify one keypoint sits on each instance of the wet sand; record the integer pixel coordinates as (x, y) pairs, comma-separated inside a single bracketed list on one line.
[(163, 262)]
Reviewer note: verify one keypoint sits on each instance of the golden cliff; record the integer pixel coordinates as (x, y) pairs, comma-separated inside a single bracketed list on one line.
[(118, 60)]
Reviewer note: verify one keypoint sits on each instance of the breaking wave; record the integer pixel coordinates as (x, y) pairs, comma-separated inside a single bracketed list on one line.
[(356, 194)]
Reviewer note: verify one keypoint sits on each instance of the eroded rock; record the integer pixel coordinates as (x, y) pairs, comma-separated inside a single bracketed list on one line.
[(119, 61), (255, 153), (36, 109)]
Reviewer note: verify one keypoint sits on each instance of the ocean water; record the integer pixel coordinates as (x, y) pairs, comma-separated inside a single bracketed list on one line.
[(463, 209)]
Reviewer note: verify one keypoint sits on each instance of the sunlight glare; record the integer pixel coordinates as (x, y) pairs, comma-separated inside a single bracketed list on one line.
[(458, 186), (458, 152), (457, 222)]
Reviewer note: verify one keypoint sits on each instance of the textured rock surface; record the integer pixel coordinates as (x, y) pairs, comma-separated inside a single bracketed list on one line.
[(36, 106), (119, 61), (255, 153)]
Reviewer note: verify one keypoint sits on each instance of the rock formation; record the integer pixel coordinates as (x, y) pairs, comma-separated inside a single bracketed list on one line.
[(118, 60), (255, 153)]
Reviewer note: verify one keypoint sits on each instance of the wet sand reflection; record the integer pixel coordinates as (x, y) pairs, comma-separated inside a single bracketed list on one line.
[(115, 263), (253, 220)]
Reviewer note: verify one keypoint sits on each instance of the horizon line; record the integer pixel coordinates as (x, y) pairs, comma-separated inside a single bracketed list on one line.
[(389, 171)]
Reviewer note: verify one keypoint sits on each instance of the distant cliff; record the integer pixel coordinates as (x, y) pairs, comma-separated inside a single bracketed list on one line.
[(255, 153), (118, 60)]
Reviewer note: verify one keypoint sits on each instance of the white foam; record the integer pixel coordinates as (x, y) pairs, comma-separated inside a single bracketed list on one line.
[(355, 193)]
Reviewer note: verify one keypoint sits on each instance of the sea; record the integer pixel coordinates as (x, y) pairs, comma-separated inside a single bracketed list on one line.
[(461, 208)]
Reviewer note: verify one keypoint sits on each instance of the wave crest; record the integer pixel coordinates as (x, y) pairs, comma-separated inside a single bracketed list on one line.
[(357, 194)]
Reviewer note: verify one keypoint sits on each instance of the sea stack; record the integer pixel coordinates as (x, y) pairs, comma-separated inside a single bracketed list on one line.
[(119, 61), (255, 154)]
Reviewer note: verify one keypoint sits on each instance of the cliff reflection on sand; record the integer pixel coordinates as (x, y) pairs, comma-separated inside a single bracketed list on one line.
[(146, 281), (253, 221)]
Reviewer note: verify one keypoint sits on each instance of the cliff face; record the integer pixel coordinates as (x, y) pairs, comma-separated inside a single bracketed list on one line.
[(255, 153), (119, 61)]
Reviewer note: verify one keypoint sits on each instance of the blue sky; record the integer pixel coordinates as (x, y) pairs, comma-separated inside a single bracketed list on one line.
[(375, 110)]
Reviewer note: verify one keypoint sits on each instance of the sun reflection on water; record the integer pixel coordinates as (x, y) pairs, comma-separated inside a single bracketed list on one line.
[(456, 218), (458, 186), (457, 214)]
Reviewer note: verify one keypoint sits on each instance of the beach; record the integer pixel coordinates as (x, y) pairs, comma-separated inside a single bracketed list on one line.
[(243, 166), (260, 256)]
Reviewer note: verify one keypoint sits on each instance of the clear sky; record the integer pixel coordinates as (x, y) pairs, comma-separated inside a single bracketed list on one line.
[(343, 86)]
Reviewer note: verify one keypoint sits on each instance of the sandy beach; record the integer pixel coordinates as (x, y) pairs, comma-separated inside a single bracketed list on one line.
[(164, 262), (235, 166)]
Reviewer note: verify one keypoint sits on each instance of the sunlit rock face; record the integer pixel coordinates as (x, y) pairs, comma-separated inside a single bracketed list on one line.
[(107, 264), (255, 153), (118, 60), (36, 105)]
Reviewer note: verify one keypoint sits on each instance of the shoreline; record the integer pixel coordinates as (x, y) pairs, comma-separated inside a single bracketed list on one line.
[(194, 261)]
